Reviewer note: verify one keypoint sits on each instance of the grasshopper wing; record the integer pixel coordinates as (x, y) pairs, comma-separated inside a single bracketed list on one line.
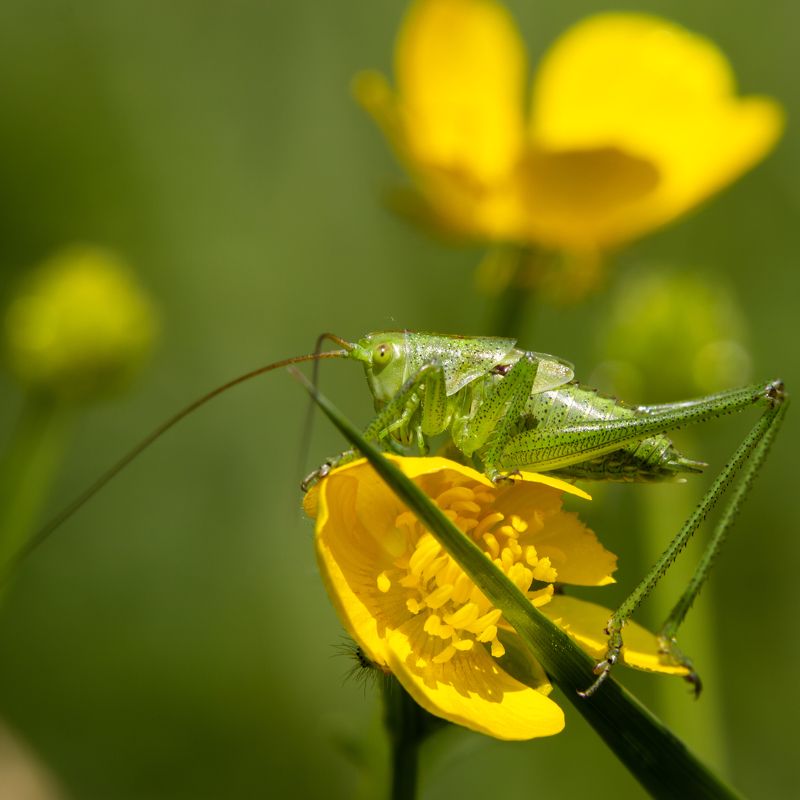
[(552, 372)]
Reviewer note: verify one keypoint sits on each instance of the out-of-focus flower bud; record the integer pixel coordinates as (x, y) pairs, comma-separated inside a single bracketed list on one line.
[(675, 334), (79, 327)]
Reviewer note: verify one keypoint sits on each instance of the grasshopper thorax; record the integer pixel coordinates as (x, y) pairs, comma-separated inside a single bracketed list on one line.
[(390, 358)]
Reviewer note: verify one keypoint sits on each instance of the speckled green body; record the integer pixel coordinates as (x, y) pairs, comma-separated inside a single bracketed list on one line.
[(464, 390)]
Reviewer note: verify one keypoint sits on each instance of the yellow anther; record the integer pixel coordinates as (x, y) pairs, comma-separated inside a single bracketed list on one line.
[(519, 524), (541, 596), (520, 576), (384, 584), (466, 524), (507, 559), (439, 597), (462, 588), (490, 618), (484, 498), (531, 556), (454, 493), (464, 644), (508, 531), (445, 655), (488, 634), (466, 505), (413, 606), (544, 571), (465, 616), (432, 570), (497, 649), (492, 544), (427, 550), (432, 624), (487, 522), (450, 574)]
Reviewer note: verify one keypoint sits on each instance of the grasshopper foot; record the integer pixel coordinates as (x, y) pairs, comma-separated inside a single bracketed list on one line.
[(603, 668), (315, 477), (668, 646), (503, 478), (324, 469)]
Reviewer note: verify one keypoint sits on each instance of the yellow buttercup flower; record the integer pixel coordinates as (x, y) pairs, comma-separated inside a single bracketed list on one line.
[(633, 121), (415, 613)]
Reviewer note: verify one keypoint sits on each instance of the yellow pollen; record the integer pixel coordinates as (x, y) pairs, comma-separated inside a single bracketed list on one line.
[(488, 633), (413, 606), (462, 588), (440, 596), (519, 524), (384, 584), (487, 522), (507, 530), (465, 616), (544, 571), (466, 505), (492, 544), (436, 566), (497, 649), (445, 655), (454, 493), (487, 619), (427, 550), (433, 627), (456, 613)]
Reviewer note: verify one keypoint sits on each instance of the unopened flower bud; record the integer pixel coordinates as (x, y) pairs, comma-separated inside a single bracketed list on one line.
[(79, 327)]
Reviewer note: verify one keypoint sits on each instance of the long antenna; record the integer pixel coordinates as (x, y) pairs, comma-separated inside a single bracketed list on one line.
[(308, 425), (59, 519)]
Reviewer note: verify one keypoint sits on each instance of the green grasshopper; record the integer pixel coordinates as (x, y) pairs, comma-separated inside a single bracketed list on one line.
[(505, 410)]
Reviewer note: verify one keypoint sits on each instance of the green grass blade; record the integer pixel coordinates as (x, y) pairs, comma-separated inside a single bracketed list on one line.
[(653, 755)]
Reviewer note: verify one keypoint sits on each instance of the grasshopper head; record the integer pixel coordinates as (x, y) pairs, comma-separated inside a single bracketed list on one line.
[(384, 356)]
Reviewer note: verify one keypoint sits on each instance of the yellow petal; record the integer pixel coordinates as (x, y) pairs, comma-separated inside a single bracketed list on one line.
[(472, 690), (460, 68), (654, 92), (584, 622)]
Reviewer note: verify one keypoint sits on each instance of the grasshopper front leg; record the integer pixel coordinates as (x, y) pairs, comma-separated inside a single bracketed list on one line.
[(425, 389)]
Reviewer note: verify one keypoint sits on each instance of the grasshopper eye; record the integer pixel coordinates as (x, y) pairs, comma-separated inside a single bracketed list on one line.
[(382, 355)]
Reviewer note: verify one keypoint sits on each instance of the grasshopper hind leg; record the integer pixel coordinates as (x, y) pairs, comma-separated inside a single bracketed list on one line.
[(738, 473)]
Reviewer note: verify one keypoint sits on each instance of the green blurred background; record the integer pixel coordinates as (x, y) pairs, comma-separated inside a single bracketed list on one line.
[(174, 639)]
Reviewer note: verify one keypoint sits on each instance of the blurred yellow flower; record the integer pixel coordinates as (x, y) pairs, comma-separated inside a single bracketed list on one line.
[(79, 326), (414, 612), (633, 121)]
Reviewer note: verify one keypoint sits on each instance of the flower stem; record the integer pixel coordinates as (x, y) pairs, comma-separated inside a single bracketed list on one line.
[(404, 721), (27, 469)]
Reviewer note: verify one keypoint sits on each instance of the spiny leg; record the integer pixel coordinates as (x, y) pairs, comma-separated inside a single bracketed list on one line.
[(487, 429), (749, 456), (396, 412), (549, 447), (772, 421)]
